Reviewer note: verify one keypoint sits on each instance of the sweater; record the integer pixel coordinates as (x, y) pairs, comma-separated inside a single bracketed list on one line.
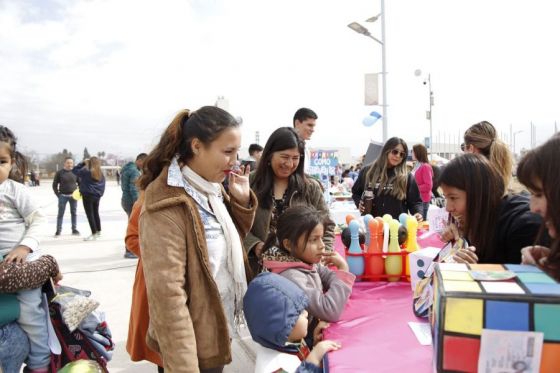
[(64, 182), (89, 186), (129, 175), (383, 201), (423, 177)]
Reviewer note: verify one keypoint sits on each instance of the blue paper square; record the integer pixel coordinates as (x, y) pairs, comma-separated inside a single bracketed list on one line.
[(522, 268), (507, 315), (553, 289)]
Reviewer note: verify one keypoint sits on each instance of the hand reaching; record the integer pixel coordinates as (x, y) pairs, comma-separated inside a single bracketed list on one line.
[(335, 259), (316, 355), (318, 332), (466, 255), (534, 255)]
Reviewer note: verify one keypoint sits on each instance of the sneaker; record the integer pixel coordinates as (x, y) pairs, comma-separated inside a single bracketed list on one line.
[(75, 232), (90, 238), (57, 234), (97, 234), (129, 255)]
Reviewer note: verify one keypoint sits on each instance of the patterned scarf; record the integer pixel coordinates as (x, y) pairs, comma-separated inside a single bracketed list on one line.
[(234, 249)]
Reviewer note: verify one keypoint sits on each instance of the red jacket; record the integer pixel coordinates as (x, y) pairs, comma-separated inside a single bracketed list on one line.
[(423, 178)]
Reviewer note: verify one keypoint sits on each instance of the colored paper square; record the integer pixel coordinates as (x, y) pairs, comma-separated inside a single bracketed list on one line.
[(535, 278), (455, 275), (466, 286), (507, 316), (552, 289), (487, 267), (547, 318), (522, 268), (502, 287), (460, 354), (550, 358), (464, 315), (453, 267)]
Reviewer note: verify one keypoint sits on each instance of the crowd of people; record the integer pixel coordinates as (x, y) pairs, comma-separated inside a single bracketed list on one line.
[(216, 239)]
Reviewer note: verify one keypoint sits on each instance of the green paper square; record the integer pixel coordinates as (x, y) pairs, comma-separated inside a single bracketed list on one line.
[(535, 278), (547, 318)]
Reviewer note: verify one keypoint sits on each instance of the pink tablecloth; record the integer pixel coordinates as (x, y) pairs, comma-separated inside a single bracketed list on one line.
[(374, 332)]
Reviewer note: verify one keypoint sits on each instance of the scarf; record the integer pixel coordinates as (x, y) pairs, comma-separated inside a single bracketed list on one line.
[(234, 249)]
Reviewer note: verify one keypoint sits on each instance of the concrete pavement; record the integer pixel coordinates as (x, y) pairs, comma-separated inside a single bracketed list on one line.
[(99, 266)]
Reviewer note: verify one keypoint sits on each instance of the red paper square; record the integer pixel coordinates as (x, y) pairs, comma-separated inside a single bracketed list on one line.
[(550, 360), (460, 353)]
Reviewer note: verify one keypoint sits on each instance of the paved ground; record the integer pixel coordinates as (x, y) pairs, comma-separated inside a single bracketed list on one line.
[(99, 266)]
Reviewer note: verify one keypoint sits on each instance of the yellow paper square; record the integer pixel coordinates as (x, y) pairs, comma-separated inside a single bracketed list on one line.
[(455, 275), (464, 315), (467, 286), (487, 267)]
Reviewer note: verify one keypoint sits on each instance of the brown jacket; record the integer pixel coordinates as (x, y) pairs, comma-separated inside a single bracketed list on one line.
[(188, 325)]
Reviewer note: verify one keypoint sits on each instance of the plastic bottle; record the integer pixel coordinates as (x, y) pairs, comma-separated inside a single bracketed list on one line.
[(367, 200), (355, 263), (393, 263)]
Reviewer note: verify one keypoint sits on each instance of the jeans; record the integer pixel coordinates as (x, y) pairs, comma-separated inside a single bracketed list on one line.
[(425, 208), (127, 206), (14, 347), (91, 206), (62, 200), (33, 320)]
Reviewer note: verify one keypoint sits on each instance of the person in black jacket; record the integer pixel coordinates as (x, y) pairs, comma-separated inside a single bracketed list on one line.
[(394, 188), (64, 184), (92, 187), (497, 225)]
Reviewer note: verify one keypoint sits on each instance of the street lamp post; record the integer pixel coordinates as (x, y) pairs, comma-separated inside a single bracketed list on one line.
[(364, 31), (428, 82), (514, 134)]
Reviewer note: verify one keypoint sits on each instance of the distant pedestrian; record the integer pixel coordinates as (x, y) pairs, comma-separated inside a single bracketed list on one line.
[(64, 184), (92, 188), (118, 177), (33, 178), (255, 152), (130, 173)]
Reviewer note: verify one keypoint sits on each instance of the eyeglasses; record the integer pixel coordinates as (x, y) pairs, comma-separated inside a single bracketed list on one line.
[(397, 152)]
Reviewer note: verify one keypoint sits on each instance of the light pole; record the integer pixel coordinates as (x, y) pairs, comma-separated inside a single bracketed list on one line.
[(364, 31), (514, 134), (428, 82)]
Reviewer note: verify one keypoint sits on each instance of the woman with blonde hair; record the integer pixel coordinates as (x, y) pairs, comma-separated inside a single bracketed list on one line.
[(92, 188), (481, 138)]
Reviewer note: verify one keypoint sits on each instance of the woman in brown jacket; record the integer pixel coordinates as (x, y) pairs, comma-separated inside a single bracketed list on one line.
[(190, 240)]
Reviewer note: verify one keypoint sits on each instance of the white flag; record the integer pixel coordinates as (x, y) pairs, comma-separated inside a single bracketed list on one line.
[(371, 89)]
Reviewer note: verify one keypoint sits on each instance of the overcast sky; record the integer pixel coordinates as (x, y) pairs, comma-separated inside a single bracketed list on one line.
[(110, 75)]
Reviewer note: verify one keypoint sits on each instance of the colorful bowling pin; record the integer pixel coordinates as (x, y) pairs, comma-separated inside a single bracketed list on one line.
[(393, 263), (402, 218), (411, 243), (374, 263), (380, 235), (349, 218), (387, 218), (355, 263), (367, 218)]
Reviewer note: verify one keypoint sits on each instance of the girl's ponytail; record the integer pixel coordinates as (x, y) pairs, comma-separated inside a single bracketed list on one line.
[(170, 144)]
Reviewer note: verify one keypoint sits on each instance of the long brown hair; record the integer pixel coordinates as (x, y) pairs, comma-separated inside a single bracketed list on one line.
[(538, 171), (421, 153), (483, 136), (94, 166), (473, 174), (378, 170), (263, 183), (206, 124)]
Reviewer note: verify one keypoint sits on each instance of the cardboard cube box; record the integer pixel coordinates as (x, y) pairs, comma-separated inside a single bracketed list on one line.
[(464, 307)]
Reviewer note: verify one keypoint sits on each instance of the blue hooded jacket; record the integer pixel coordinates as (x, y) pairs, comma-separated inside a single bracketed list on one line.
[(89, 186), (272, 305)]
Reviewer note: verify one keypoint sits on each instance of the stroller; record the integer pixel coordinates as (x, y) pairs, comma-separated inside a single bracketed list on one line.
[(79, 343)]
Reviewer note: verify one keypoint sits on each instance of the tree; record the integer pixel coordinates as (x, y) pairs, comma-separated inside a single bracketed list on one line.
[(54, 162), (86, 153)]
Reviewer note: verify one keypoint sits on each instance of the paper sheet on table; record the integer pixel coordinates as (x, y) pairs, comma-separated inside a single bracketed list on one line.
[(502, 287), (422, 332), (509, 351)]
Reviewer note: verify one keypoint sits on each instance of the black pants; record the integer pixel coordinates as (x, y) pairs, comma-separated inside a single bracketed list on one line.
[(213, 370), (91, 206)]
